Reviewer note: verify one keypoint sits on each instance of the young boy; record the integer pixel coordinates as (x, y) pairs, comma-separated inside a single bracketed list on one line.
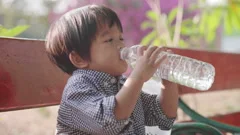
[(85, 43)]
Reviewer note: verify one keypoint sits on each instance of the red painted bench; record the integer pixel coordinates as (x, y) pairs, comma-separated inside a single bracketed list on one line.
[(29, 80)]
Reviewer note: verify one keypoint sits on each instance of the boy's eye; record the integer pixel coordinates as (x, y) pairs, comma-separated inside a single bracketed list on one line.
[(122, 39), (109, 40)]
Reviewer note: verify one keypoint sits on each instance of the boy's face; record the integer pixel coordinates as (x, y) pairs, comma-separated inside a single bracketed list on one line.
[(105, 51)]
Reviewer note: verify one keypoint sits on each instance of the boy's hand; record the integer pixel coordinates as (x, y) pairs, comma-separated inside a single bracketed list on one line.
[(147, 62)]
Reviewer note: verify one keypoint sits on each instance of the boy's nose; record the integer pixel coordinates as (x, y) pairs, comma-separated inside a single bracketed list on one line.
[(120, 45)]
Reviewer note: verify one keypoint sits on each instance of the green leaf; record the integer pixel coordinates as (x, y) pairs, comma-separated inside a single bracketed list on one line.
[(183, 44), (210, 36), (213, 20), (172, 15), (152, 15), (227, 24), (189, 31), (147, 24), (149, 37), (237, 11), (156, 42), (3, 30), (235, 20), (185, 31), (202, 25), (188, 22), (14, 31), (192, 7)]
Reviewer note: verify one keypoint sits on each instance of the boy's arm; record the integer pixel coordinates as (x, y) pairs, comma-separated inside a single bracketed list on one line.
[(161, 110), (169, 99), (146, 65), (127, 98)]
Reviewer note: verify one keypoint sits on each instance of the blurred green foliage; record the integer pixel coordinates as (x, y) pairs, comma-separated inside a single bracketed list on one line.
[(202, 26), (4, 32)]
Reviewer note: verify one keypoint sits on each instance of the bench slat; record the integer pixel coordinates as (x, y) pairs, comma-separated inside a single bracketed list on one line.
[(28, 79)]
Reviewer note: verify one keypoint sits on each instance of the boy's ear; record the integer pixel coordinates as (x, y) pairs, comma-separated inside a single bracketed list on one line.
[(77, 61)]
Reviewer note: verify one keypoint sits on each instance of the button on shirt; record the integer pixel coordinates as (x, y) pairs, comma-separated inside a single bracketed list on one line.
[(87, 107)]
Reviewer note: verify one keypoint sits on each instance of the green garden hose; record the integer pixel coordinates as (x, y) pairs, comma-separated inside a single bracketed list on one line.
[(192, 128), (199, 118)]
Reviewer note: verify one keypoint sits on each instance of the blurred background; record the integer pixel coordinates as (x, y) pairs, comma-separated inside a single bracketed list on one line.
[(211, 25), (177, 23)]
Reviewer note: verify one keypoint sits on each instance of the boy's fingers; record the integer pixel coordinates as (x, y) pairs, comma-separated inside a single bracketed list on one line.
[(169, 51), (150, 50), (160, 59), (141, 49), (157, 53), (162, 86)]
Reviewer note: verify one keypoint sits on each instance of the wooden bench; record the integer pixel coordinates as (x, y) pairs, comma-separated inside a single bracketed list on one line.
[(29, 80)]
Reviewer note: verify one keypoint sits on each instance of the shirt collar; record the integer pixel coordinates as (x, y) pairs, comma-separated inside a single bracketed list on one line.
[(97, 76)]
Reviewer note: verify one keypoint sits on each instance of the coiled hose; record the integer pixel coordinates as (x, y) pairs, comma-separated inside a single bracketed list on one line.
[(192, 128), (199, 118)]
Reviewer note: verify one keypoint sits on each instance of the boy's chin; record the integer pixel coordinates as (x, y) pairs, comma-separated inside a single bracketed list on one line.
[(125, 69), (120, 72)]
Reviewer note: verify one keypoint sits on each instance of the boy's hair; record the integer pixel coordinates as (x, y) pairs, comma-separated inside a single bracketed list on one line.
[(75, 31)]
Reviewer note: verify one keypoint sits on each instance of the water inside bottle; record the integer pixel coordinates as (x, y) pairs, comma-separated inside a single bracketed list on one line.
[(189, 72), (179, 69)]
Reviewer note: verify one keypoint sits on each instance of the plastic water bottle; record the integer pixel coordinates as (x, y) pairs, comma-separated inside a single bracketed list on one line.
[(176, 68)]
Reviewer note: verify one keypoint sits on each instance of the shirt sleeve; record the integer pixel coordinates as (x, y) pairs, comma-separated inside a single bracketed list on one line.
[(92, 112), (154, 116)]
